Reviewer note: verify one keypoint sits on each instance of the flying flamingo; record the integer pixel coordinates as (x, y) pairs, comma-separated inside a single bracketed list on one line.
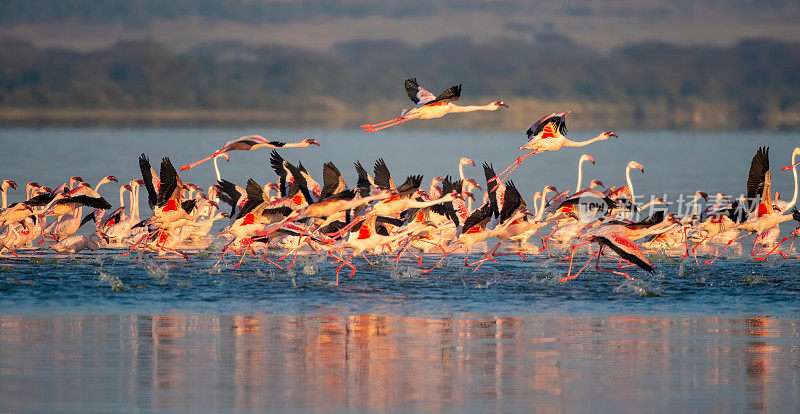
[(251, 142), (430, 107), (548, 134)]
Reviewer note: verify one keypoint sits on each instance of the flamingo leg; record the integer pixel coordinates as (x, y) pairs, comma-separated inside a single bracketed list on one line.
[(389, 124), (368, 126), (570, 276), (597, 266), (487, 256), (507, 172), (345, 262), (545, 245), (195, 164), (723, 249), (9, 249), (426, 271), (785, 256), (365, 258)]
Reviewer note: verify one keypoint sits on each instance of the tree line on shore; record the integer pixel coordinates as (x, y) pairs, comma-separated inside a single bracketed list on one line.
[(752, 84)]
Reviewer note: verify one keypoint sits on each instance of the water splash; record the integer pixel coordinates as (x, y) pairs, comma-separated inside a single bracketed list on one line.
[(113, 281), (158, 270), (639, 288), (400, 272)]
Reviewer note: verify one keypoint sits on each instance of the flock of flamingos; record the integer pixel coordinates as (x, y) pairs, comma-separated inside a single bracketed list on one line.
[(377, 216)]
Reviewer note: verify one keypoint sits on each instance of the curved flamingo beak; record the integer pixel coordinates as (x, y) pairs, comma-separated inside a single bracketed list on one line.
[(501, 103), (313, 141), (598, 183), (12, 184), (590, 159), (112, 178), (703, 194)]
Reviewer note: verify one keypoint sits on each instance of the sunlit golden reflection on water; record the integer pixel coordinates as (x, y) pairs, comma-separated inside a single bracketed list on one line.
[(324, 362)]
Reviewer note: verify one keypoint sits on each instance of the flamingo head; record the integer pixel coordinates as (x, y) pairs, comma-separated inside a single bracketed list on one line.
[(500, 104), (127, 187), (473, 183), (73, 180), (112, 178), (9, 183), (587, 157), (311, 141), (634, 164), (469, 194), (466, 161), (609, 134), (596, 183), (702, 194), (226, 215)]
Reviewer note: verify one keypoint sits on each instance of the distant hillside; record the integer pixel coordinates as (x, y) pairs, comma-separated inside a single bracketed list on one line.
[(321, 24), (752, 84)]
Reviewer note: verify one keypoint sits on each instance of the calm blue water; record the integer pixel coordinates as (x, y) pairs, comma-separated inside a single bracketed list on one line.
[(98, 332)]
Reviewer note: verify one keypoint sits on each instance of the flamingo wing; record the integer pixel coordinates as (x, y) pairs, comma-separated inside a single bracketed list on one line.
[(410, 186), (626, 249), (450, 94), (93, 202), (478, 219), (549, 126), (759, 180), (147, 177), (417, 94), (255, 197), (332, 181), (512, 202), (170, 188), (363, 183), (383, 179)]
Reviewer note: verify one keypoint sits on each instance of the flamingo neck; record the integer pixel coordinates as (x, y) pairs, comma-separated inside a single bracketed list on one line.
[(630, 185), (97, 187), (453, 108), (790, 205), (695, 208), (216, 169), (135, 204), (540, 213), (5, 200), (580, 175), (570, 143), (536, 203)]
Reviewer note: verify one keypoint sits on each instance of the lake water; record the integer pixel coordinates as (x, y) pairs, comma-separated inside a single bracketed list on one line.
[(98, 332)]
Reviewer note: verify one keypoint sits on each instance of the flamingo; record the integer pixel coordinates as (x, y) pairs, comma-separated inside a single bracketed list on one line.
[(430, 107), (549, 134), (248, 143), (75, 244)]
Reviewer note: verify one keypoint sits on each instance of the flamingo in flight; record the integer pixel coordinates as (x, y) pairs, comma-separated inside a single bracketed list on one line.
[(549, 134), (248, 143), (429, 106)]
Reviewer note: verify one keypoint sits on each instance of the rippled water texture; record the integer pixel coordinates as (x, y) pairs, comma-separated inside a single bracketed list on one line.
[(98, 332), (456, 363)]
